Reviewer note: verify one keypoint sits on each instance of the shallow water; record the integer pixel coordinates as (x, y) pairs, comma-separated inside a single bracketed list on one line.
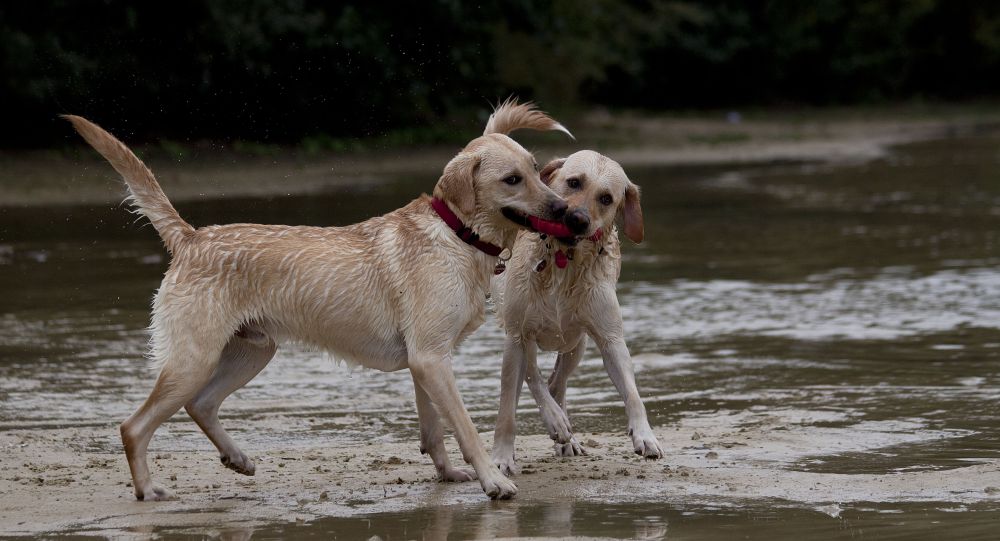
[(859, 301), (653, 521)]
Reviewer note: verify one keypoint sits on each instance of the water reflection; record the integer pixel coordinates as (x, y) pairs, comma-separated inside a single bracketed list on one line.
[(642, 520)]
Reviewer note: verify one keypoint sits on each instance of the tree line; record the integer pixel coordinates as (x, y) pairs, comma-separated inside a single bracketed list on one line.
[(279, 71)]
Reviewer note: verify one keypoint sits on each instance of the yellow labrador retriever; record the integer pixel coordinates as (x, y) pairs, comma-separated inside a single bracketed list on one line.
[(560, 290), (397, 291)]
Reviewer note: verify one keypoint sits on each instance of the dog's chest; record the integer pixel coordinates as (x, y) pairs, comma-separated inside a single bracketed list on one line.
[(556, 312)]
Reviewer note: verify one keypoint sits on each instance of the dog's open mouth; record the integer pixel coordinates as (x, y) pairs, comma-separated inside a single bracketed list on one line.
[(539, 225)]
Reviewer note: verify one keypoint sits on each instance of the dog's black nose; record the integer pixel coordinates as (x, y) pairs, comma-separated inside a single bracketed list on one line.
[(577, 220), (558, 208)]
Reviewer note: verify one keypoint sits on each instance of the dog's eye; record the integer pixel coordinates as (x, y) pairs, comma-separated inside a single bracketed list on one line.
[(512, 180), (606, 199), (573, 182)]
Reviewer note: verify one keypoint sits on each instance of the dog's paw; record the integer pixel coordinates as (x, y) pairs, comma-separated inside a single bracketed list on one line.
[(154, 493), (507, 465), (239, 463), (498, 487), (644, 443), (557, 423), (456, 475), (573, 448)]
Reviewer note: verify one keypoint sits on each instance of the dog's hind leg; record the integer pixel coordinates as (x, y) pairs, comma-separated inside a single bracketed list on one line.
[(246, 354), (187, 368), (432, 439)]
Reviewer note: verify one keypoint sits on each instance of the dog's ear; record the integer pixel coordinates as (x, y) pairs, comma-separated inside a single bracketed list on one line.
[(456, 184), (632, 214), (550, 169)]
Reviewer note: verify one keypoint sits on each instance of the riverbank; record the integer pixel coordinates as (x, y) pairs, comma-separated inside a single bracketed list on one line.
[(206, 171)]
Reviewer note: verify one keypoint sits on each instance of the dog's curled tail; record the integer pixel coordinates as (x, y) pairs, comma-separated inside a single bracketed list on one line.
[(511, 115), (144, 192)]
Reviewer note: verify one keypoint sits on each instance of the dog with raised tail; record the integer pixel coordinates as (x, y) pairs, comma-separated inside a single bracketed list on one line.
[(394, 292), (559, 291)]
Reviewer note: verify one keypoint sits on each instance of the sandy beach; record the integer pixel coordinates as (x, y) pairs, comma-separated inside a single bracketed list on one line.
[(52, 483)]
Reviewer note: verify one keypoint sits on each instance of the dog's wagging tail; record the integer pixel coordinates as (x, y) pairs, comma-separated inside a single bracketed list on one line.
[(144, 192), (511, 115)]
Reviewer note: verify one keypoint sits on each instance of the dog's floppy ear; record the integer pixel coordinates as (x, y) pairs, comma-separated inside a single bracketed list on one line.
[(550, 169), (632, 214), (456, 183)]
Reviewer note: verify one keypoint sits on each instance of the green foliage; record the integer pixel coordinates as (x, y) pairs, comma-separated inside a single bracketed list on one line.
[(174, 149), (283, 71), (254, 148), (733, 52)]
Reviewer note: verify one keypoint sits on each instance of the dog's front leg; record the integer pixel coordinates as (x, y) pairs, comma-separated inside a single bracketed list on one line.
[(566, 363), (618, 363), (555, 419), (511, 381), (433, 373), (607, 331), (432, 439)]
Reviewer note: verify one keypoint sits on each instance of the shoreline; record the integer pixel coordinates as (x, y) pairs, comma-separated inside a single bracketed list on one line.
[(39, 178)]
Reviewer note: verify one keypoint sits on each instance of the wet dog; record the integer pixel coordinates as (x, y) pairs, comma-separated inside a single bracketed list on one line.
[(394, 292), (559, 291)]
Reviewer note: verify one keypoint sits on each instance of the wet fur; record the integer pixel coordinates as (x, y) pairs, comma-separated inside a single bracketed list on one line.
[(397, 291), (557, 309)]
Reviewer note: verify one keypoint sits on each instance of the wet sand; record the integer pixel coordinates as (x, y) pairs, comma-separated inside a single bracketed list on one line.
[(51, 483)]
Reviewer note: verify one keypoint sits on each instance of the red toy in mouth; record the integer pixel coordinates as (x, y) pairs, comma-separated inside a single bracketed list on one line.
[(555, 229)]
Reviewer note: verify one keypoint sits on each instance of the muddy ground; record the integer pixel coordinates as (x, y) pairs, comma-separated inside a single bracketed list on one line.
[(52, 483)]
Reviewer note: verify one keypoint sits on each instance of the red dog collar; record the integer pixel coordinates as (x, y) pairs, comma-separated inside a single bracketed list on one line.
[(467, 235)]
